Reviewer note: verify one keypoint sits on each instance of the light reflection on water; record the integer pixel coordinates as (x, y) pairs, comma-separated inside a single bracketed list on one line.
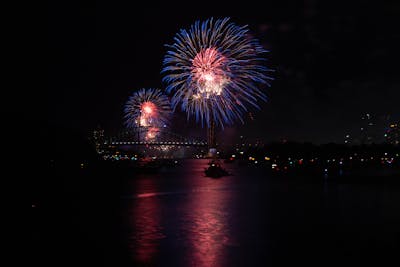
[(146, 219), (198, 222), (209, 232), (181, 218)]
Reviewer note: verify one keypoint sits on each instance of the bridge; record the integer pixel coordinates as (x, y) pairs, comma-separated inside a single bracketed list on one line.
[(164, 137), (155, 143)]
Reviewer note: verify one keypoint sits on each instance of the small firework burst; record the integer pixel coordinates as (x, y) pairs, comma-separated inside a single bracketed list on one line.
[(149, 109)]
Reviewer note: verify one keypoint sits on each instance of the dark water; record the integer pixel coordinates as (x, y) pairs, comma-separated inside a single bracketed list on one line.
[(178, 217), (108, 216)]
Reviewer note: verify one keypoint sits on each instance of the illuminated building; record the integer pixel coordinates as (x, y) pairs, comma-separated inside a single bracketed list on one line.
[(98, 139), (392, 134), (367, 129)]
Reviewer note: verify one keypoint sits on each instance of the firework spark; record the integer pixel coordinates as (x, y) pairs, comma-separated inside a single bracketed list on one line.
[(214, 71), (147, 108)]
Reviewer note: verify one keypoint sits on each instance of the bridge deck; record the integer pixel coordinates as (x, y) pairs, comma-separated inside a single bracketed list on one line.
[(167, 143)]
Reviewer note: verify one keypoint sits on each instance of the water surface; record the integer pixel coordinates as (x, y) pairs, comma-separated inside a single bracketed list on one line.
[(179, 217)]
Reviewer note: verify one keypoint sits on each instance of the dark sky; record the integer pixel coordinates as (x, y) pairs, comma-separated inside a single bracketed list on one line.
[(334, 61)]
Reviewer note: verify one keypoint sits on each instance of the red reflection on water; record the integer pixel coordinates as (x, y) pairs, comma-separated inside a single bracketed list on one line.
[(146, 219), (209, 233), (192, 212)]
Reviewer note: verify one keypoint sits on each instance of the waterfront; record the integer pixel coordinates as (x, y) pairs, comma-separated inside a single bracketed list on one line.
[(179, 217)]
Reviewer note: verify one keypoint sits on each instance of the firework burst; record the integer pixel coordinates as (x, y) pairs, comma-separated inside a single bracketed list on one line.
[(214, 71), (147, 108)]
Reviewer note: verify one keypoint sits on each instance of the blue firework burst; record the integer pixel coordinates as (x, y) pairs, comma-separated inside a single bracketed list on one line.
[(215, 71), (147, 108)]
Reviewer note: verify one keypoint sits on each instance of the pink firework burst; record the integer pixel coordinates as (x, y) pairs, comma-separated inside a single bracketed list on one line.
[(208, 72)]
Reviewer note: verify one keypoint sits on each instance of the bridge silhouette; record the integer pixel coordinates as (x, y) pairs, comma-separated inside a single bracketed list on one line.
[(156, 143), (164, 137)]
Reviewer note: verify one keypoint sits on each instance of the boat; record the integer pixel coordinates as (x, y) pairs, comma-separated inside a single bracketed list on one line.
[(215, 170)]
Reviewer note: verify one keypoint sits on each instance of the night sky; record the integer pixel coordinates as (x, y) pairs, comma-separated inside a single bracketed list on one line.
[(334, 61)]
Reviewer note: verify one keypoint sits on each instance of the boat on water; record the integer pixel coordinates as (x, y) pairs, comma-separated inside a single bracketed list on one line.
[(215, 170)]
